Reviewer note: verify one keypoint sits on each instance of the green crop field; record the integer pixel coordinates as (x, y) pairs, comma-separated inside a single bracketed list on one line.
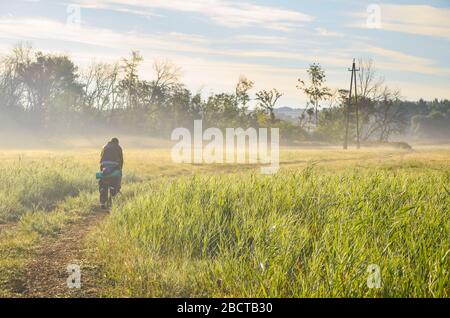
[(311, 230)]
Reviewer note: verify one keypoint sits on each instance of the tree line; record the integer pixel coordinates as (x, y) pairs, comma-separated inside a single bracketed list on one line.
[(49, 92)]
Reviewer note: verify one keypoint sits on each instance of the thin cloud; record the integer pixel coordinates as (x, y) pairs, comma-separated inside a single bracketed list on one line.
[(413, 19), (325, 32), (261, 39), (197, 55), (188, 44), (231, 14), (47, 29), (395, 60)]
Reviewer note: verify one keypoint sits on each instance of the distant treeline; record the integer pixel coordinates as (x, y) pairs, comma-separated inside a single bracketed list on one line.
[(49, 93)]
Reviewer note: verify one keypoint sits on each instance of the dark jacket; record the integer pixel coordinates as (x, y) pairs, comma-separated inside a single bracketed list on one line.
[(112, 152)]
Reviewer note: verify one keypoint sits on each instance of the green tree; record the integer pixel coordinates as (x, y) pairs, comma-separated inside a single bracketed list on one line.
[(267, 101), (129, 84), (242, 88), (315, 89), (331, 125), (52, 87)]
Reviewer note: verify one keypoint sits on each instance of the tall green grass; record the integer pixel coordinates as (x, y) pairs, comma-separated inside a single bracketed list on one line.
[(38, 185), (295, 234)]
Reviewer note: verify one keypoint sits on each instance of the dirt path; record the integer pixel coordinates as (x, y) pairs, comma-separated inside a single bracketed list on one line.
[(46, 275)]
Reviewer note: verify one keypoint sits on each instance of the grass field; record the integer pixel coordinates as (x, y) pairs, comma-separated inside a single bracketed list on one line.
[(311, 230)]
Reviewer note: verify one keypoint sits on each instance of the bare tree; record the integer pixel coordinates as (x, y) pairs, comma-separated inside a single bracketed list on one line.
[(100, 82), (167, 75), (388, 117), (13, 92), (370, 84), (378, 113)]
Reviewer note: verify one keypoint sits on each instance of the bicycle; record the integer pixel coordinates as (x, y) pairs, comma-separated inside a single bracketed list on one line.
[(110, 190)]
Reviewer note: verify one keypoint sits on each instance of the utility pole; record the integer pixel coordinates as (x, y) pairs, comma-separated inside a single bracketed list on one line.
[(356, 105), (347, 115)]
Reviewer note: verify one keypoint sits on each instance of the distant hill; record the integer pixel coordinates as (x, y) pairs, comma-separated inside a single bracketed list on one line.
[(288, 113)]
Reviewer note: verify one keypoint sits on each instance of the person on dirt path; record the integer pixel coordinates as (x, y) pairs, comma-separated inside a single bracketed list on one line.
[(111, 161)]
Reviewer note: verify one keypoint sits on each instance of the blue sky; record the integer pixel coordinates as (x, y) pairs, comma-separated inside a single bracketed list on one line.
[(271, 42)]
